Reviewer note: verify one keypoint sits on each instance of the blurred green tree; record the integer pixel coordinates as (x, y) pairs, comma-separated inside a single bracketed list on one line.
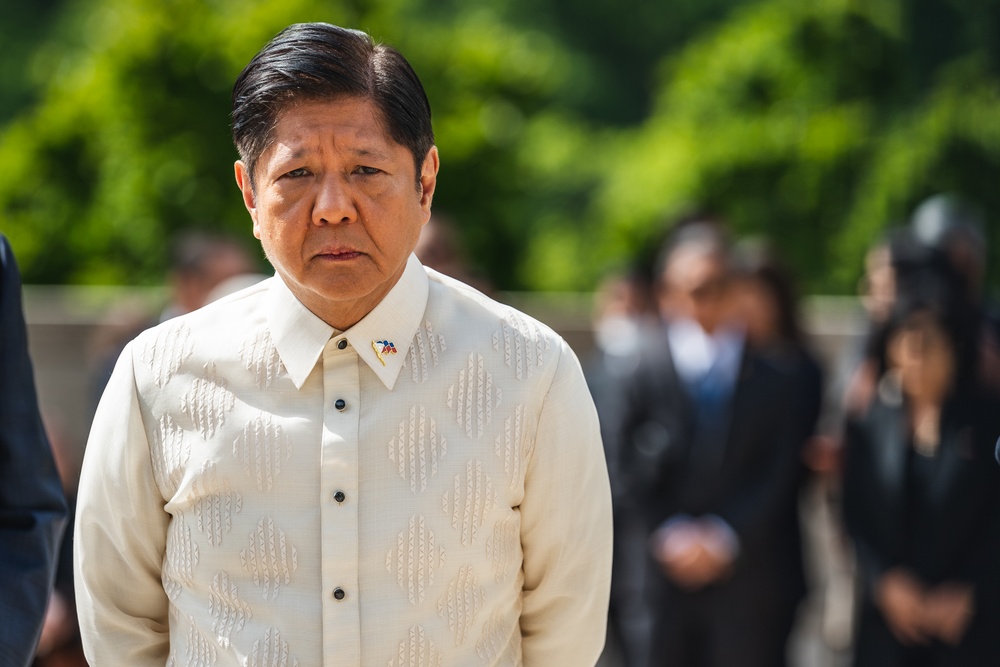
[(570, 132), (129, 140), (816, 124)]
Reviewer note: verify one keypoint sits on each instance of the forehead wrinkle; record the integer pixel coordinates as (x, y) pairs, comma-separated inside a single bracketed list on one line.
[(295, 150)]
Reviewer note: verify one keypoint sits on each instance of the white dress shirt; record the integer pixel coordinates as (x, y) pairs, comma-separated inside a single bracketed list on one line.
[(696, 353), (425, 489)]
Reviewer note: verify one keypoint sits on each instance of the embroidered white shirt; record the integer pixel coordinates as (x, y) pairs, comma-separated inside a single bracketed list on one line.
[(262, 491)]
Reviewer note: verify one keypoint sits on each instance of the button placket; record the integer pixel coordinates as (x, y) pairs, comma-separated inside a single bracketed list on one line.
[(339, 480)]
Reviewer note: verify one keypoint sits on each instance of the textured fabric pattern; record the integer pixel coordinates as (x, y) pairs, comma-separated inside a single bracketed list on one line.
[(261, 490)]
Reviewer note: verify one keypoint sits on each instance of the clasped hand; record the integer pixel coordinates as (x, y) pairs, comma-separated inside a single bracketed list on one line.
[(692, 553), (917, 614)]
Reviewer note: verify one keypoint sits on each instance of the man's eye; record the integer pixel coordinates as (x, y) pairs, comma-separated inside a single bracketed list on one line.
[(298, 173), (367, 171)]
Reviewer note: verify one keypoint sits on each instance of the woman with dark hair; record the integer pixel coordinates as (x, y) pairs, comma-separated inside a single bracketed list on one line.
[(767, 305), (921, 498)]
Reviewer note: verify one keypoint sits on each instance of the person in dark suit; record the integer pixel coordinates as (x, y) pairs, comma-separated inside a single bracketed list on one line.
[(32, 509), (711, 456), (622, 309), (921, 498)]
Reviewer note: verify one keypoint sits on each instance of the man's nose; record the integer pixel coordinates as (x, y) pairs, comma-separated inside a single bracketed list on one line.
[(334, 201)]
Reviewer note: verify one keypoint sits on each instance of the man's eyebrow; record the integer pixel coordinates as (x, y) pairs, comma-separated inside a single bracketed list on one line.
[(294, 154)]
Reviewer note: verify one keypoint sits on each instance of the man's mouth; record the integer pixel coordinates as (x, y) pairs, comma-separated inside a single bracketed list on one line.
[(339, 254)]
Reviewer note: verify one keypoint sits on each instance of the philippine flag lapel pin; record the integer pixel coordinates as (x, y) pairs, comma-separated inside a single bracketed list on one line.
[(382, 348)]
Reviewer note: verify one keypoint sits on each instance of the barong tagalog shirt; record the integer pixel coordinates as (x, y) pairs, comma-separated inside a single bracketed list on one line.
[(427, 488)]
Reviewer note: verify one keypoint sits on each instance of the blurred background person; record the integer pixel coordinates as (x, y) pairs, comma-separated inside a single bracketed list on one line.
[(890, 262), (921, 498), (622, 312), (203, 267), (203, 263), (946, 235), (32, 509), (711, 454), (766, 303), (955, 228), (439, 248)]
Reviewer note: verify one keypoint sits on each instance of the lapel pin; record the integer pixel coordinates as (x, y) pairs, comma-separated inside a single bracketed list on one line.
[(383, 347)]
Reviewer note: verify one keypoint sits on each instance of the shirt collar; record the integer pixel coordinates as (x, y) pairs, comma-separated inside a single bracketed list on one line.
[(696, 353), (300, 336)]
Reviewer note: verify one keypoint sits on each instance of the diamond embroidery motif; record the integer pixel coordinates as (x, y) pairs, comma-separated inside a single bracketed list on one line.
[(262, 448), (170, 452), (502, 547), (182, 557), (417, 449), (461, 602), (415, 559), (496, 636), (268, 558), (270, 651), (424, 353), (416, 651), (165, 353), (200, 650), (514, 446), (217, 505), (260, 357), (523, 345), (474, 396), (207, 402), (470, 501), (229, 613)]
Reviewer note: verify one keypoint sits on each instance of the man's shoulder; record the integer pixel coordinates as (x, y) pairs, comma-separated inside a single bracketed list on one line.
[(476, 328), (461, 306)]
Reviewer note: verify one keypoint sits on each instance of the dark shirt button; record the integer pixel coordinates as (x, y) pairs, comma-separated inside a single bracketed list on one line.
[(340, 404), (339, 593), (342, 344), (339, 496)]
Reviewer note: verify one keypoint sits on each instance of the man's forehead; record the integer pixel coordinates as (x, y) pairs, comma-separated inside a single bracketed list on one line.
[(694, 257), (355, 122)]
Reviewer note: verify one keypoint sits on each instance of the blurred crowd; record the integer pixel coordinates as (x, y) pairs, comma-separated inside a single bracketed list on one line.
[(753, 478)]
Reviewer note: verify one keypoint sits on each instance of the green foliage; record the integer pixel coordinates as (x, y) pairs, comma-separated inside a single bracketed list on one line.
[(570, 132), (129, 142), (807, 123)]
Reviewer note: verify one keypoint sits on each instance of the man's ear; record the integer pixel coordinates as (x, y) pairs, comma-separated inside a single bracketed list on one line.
[(428, 179), (245, 184)]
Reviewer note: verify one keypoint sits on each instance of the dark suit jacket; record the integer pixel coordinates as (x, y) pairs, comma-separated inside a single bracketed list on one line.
[(753, 482), (32, 510), (959, 523)]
